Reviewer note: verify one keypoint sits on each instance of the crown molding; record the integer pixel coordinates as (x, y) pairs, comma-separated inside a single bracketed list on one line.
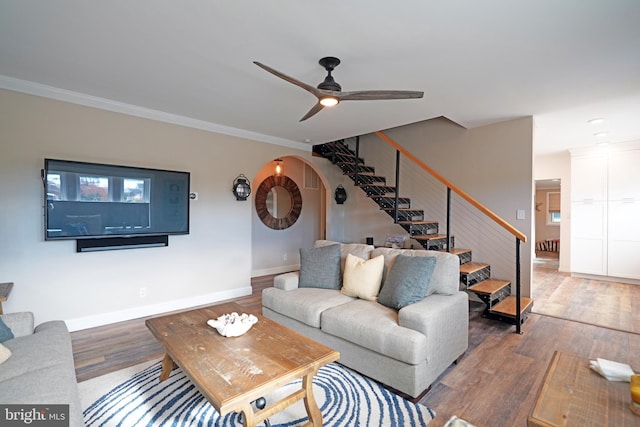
[(37, 89)]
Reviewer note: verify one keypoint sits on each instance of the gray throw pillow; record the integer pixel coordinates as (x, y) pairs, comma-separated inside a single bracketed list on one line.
[(407, 282), (5, 332), (320, 267)]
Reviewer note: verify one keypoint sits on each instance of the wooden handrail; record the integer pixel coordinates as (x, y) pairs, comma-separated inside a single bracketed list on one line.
[(504, 224)]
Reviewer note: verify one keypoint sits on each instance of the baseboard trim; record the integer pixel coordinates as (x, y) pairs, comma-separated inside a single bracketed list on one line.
[(606, 278), (275, 270), (153, 309)]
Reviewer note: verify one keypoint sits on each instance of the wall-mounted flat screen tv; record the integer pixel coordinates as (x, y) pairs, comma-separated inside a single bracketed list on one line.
[(90, 200)]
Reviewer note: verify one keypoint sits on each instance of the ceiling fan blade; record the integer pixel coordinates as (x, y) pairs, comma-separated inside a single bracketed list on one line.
[(315, 110), (296, 82), (369, 95)]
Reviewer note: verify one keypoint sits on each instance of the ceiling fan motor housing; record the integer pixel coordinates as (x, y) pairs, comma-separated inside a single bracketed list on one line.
[(329, 63)]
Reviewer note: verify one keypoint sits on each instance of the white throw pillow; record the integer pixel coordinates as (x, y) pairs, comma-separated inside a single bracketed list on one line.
[(362, 278), (5, 353)]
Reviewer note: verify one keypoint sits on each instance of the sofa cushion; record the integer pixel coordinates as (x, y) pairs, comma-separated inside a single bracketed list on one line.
[(362, 278), (5, 332), (320, 267), (407, 282), (446, 274), (375, 327), (356, 249), (5, 353), (21, 322), (305, 305), (38, 351)]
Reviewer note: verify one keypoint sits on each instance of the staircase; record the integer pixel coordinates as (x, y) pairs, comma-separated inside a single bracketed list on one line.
[(475, 277)]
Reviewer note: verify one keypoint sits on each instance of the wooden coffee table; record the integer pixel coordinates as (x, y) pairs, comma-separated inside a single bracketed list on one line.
[(574, 395), (233, 372)]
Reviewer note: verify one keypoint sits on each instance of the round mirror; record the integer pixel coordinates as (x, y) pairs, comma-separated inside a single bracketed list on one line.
[(278, 202)]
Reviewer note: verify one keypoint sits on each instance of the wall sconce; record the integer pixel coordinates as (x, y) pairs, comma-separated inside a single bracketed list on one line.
[(278, 166), (241, 188), (340, 194)]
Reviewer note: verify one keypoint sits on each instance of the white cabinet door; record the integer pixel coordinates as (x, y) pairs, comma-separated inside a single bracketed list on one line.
[(624, 175), (588, 237), (589, 178), (624, 239)]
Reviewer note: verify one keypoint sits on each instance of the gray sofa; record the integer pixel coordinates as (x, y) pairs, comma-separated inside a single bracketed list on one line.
[(40, 370), (406, 349)]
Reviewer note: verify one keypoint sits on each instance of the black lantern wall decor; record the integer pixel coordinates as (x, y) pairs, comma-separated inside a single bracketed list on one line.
[(340, 194), (241, 188)]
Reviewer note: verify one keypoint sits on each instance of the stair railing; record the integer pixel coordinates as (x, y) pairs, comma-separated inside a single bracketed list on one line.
[(520, 237)]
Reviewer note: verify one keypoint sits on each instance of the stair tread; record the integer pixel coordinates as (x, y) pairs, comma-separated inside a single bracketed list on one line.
[(401, 209), (430, 237), (458, 251), (507, 306), (489, 286), (417, 222), (472, 267)]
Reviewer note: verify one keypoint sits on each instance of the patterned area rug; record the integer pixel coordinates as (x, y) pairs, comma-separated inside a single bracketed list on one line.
[(345, 398)]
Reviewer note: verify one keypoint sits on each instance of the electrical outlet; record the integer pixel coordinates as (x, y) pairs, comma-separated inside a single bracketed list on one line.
[(520, 214), (284, 256), (143, 292)]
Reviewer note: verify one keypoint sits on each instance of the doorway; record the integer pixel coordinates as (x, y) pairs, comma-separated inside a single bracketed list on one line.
[(548, 217)]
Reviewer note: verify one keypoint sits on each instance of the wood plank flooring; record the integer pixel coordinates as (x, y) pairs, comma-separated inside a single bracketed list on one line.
[(494, 384), (609, 304)]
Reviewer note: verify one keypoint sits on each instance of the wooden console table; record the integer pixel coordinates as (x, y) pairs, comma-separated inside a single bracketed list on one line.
[(5, 290), (572, 394)]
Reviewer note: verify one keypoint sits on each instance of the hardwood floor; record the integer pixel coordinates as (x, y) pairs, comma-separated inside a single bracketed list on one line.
[(98, 351), (610, 304), (494, 384)]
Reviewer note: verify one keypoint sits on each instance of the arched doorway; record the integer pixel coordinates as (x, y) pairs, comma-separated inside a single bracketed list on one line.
[(277, 249)]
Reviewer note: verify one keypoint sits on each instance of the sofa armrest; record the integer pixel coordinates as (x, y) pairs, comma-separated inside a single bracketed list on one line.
[(443, 319), (287, 281), (20, 323)]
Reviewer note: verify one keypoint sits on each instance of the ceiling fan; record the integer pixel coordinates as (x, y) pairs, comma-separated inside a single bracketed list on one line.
[(329, 92)]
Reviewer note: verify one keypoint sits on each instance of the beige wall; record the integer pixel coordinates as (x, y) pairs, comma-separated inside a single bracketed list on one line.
[(213, 262), (224, 249)]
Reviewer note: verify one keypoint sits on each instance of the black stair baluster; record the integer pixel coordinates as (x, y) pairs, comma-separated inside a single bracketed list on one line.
[(448, 219), (518, 325), (357, 180), (334, 147), (395, 212)]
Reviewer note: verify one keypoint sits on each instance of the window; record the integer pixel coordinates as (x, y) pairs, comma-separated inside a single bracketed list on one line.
[(553, 208), (134, 190), (54, 186), (311, 178), (94, 188)]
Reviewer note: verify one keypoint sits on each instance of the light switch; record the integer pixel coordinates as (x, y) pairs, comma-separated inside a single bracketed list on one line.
[(520, 214)]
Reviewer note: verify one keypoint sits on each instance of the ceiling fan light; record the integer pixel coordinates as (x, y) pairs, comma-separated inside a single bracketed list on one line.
[(329, 101)]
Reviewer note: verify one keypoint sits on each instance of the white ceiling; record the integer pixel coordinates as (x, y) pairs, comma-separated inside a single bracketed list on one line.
[(478, 62)]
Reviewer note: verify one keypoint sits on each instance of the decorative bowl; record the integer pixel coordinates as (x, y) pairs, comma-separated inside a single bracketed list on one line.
[(233, 324)]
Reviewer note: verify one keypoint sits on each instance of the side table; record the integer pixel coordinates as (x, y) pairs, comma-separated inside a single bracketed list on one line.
[(5, 290), (572, 394)]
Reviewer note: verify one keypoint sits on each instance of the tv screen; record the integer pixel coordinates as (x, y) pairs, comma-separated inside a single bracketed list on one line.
[(90, 200)]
